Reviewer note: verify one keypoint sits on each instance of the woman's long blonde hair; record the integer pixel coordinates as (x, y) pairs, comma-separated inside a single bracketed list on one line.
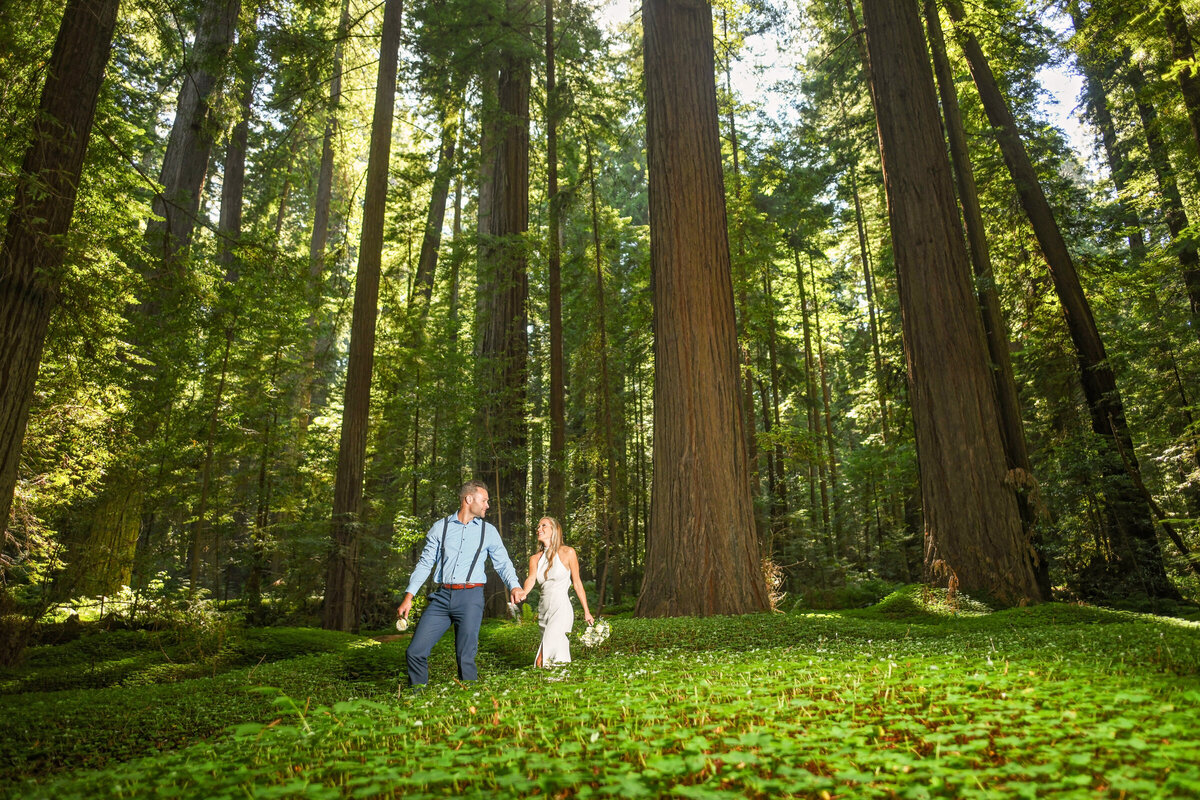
[(556, 540)]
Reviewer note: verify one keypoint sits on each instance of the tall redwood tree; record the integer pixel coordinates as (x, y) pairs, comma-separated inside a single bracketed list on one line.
[(1136, 558), (502, 301), (973, 533), (341, 581), (33, 251), (702, 552)]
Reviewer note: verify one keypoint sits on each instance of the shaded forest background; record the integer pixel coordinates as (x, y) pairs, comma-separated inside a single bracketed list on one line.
[(221, 403)]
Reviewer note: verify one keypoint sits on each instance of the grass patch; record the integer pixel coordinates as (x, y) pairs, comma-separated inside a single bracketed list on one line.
[(1052, 701), (102, 659), (50, 731)]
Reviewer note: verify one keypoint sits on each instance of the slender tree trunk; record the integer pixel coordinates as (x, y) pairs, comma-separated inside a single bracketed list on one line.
[(1138, 557), (779, 493), (869, 286), (42, 207), (607, 424), (319, 238), (432, 241), (262, 514), (416, 445), (767, 542), (702, 551), (973, 535), (455, 263), (642, 516), (833, 520), (341, 582), (1119, 166), (810, 404), (558, 425), (503, 303), (1011, 424), (324, 197), (199, 541)]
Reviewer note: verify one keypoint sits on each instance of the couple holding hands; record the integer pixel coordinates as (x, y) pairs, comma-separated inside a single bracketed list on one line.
[(455, 549)]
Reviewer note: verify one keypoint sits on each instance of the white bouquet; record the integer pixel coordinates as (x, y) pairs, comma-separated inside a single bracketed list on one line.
[(596, 634), (402, 624)]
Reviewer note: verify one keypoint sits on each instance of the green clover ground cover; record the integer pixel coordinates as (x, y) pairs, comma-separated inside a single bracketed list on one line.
[(1055, 701)]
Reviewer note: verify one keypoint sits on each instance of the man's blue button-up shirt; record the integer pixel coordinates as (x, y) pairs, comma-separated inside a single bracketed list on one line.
[(454, 566)]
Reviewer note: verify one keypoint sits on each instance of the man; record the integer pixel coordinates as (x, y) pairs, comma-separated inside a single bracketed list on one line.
[(455, 549)]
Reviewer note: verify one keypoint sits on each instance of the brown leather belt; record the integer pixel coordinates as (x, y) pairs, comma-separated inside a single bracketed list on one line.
[(461, 585)]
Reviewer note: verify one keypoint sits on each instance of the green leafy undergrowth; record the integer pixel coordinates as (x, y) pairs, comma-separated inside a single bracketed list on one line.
[(1049, 632), (1054, 701), (51, 731), (761, 724), (137, 657)]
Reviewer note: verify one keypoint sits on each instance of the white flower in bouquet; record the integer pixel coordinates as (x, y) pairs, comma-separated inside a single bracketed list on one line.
[(596, 634)]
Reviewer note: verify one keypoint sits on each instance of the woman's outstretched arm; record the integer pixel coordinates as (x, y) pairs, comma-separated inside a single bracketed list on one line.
[(573, 563), (532, 579)]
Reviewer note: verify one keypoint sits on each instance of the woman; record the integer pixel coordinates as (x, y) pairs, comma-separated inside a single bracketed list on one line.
[(555, 569)]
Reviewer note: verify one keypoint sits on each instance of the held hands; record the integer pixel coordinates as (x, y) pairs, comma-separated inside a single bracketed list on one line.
[(518, 595)]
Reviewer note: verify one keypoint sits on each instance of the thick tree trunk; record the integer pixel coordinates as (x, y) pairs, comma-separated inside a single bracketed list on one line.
[(185, 163), (702, 552), (233, 183), (341, 582), (42, 207), (503, 318), (1138, 560), (973, 535), (1181, 48), (742, 281), (1011, 424), (557, 500)]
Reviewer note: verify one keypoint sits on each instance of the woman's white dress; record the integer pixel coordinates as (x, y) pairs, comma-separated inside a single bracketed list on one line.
[(555, 614)]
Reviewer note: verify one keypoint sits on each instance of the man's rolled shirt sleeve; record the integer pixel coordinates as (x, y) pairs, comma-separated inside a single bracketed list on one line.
[(426, 561), (500, 560)]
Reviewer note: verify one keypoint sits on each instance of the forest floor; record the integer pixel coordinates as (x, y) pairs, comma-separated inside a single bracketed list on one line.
[(904, 699)]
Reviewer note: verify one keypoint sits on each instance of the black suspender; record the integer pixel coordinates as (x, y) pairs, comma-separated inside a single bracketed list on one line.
[(478, 550), (442, 551)]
